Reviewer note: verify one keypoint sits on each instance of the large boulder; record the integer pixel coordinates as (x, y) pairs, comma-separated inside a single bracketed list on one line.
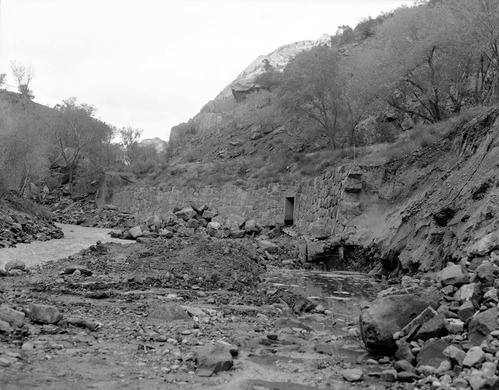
[(389, 314)]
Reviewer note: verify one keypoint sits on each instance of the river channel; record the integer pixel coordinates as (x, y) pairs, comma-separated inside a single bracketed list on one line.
[(341, 292), (75, 239)]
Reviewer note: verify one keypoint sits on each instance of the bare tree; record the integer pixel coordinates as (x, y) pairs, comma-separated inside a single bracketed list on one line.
[(23, 75)]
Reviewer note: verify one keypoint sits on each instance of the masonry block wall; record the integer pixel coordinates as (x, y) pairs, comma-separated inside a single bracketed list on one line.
[(330, 200), (265, 204)]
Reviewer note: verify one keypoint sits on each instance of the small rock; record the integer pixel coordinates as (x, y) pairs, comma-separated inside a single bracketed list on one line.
[(466, 311), (455, 354), (44, 314), (352, 374), (474, 356), (15, 264), (185, 214), (431, 353), (482, 324), (5, 327), (404, 365), (389, 376), (460, 383), (12, 317), (406, 376), (320, 309), (453, 275), (454, 325), (169, 312), (213, 358), (135, 232), (434, 327), (73, 268), (489, 369), (268, 246)]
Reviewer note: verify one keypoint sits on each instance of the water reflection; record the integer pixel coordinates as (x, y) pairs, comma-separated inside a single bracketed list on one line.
[(334, 290)]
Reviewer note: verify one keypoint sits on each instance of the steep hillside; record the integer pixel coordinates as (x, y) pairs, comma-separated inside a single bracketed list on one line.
[(241, 129), (435, 204), (25, 129)]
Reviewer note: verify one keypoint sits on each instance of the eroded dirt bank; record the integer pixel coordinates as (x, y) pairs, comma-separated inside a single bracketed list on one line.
[(430, 207)]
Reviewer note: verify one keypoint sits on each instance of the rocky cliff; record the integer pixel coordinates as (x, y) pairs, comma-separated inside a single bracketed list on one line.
[(211, 115)]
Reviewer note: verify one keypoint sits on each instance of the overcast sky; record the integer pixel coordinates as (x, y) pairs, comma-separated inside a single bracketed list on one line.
[(152, 64)]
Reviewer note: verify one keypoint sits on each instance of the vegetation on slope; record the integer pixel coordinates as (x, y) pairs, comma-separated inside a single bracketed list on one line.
[(66, 144), (378, 91), (392, 84)]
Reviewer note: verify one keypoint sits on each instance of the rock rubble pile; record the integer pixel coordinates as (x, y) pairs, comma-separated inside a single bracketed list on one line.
[(86, 213), (188, 221), (442, 328), (21, 221)]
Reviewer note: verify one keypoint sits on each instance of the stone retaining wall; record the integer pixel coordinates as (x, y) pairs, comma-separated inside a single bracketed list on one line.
[(264, 204), (330, 200)]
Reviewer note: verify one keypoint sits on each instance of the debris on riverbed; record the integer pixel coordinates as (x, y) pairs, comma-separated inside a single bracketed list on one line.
[(196, 308), (442, 327), (22, 221), (182, 312)]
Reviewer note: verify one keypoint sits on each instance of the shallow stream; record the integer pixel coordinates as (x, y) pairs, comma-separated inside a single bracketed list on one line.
[(75, 239), (342, 292)]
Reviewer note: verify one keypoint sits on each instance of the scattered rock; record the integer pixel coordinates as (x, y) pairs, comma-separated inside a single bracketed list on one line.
[(12, 317), (213, 358), (432, 353), (135, 232), (268, 246), (169, 312), (453, 275), (474, 356), (43, 314), (482, 324), (15, 264), (352, 374)]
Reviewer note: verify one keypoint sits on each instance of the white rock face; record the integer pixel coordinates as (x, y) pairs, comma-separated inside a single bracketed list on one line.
[(279, 58), (156, 142), (210, 118)]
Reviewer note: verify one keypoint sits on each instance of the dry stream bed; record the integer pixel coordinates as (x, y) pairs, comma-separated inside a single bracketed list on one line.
[(156, 311)]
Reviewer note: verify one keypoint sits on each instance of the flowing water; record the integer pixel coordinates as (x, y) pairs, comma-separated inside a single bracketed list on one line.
[(75, 239)]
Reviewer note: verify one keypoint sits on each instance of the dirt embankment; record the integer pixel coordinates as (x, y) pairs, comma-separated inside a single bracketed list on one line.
[(429, 207)]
